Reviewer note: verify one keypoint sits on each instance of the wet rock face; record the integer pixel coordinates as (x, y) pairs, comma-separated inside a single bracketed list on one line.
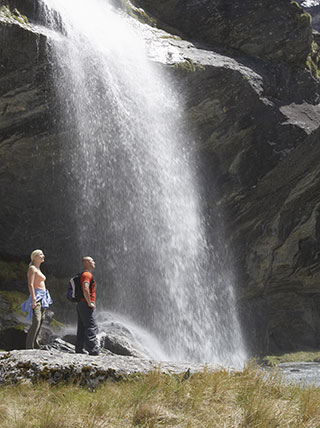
[(275, 238), (29, 8), (271, 29), (30, 148), (261, 162)]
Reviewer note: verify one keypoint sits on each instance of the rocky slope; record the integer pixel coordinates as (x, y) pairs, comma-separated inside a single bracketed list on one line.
[(253, 108)]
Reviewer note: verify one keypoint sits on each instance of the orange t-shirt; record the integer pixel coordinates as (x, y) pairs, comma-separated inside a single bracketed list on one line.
[(88, 277)]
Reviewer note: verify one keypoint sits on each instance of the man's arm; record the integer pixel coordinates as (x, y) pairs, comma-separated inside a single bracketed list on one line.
[(86, 294)]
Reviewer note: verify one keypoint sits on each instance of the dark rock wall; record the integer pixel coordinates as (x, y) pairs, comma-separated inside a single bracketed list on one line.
[(262, 161), (257, 137), (271, 29), (35, 212)]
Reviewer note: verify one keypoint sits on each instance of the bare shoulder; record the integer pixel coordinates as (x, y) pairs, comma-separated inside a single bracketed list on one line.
[(32, 269)]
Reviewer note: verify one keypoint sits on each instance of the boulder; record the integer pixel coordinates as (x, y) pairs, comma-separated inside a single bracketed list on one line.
[(56, 343), (58, 367), (13, 324), (114, 338), (121, 343), (12, 327)]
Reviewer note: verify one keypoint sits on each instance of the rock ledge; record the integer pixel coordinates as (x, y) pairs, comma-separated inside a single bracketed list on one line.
[(55, 366)]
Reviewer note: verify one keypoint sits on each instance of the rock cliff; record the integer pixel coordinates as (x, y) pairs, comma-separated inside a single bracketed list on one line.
[(253, 108), (258, 126), (276, 30), (31, 169)]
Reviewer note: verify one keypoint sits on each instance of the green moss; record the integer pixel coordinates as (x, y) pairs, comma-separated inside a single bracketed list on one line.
[(12, 271), (294, 3), (19, 17), (189, 65), (14, 298), (313, 60), (305, 18), (5, 12), (20, 327), (170, 36), (294, 357), (56, 325), (138, 13), (14, 16)]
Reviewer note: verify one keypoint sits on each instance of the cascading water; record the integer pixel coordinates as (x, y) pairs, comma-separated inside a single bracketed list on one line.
[(138, 211)]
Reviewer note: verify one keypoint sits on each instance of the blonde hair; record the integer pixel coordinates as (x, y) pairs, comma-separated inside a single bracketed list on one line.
[(33, 255)]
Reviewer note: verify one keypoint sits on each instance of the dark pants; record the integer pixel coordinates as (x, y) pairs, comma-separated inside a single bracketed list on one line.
[(37, 320), (87, 329)]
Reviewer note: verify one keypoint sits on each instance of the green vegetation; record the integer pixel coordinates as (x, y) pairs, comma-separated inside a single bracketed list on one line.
[(56, 325), (293, 357), (14, 16), (189, 66), (13, 271), (138, 13), (15, 298), (305, 18), (294, 3), (170, 36), (246, 399), (313, 59)]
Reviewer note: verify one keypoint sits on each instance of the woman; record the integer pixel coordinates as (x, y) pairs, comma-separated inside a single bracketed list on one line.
[(38, 300)]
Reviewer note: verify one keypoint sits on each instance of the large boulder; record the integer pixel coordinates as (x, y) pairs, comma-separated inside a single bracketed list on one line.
[(61, 367)]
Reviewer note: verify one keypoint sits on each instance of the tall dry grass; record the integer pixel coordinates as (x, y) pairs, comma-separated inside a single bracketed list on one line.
[(221, 399)]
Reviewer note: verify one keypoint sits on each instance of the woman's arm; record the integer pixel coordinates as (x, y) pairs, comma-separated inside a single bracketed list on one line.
[(31, 277)]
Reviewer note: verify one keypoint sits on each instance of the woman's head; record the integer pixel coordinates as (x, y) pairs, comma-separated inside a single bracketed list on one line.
[(37, 257)]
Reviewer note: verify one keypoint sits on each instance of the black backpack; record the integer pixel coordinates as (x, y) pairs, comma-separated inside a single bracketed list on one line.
[(74, 293)]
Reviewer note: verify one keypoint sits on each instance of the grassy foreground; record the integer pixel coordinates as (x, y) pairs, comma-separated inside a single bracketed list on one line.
[(219, 399)]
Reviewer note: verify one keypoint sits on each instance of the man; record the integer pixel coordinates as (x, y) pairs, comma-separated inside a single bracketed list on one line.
[(87, 325)]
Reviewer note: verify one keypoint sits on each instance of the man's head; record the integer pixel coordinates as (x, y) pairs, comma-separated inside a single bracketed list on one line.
[(88, 263)]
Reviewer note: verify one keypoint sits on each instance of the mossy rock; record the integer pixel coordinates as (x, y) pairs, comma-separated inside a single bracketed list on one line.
[(56, 325), (189, 66), (13, 16), (15, 299), (12, 271), (313, 59)]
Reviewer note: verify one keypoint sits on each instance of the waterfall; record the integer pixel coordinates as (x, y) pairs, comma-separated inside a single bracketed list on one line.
[(134, 183)]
